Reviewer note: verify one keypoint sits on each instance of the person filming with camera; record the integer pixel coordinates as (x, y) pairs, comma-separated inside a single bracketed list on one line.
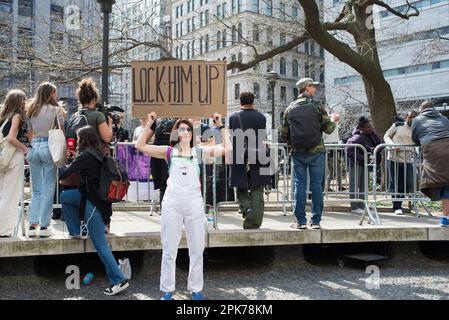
[(119, 132), (88, 114)]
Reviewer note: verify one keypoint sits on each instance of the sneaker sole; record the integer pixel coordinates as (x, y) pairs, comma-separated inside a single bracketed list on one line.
[(116, 292)]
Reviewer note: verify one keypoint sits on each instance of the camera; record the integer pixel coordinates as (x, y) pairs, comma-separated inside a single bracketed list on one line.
[(112, 112)]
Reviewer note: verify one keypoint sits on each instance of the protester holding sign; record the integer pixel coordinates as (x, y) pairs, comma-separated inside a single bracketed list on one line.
[(182, 204)]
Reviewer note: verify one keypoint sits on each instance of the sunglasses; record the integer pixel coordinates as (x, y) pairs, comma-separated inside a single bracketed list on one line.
[(182, 130)]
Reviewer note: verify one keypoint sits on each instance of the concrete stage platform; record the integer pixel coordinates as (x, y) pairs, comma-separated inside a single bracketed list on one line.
[(139, 230)]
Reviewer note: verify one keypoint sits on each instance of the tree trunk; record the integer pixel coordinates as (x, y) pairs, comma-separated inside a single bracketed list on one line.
[(378, 91)]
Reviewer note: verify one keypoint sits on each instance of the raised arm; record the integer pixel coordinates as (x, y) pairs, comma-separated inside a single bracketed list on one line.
[(222, 149), (159, 152)]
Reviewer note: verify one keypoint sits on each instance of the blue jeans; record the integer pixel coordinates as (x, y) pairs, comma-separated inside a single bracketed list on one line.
[(314, 163), (43, 182), (70, 201)]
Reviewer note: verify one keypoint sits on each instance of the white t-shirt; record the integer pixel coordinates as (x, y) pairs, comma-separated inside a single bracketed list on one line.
[(137, 133), (334, 137)]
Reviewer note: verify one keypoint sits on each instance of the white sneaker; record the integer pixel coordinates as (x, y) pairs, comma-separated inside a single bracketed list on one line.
[(399, 212), (45, 232), (358, 210), (112, 290)]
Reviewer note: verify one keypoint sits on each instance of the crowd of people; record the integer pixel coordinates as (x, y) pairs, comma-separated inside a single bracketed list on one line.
[(177, 148)]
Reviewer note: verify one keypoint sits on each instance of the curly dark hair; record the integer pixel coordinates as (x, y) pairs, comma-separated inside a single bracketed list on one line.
[(87, 91)]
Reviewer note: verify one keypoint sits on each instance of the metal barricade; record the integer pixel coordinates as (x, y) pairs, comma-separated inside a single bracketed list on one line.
[(400, 165), (348, 166), (138, 166)]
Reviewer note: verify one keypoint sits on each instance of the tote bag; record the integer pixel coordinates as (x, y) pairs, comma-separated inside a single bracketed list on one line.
[(7, 150), (57, 144)]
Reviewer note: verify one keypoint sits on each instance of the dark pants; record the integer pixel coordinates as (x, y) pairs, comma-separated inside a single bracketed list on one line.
[(251, 198), (356, 184), (397, 184)]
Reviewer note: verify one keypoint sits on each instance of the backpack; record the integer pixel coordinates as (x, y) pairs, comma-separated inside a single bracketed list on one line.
[(305, 125), (114, 182), (77, 121)]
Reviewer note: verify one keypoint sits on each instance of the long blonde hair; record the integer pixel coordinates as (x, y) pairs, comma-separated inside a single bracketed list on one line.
[(14, 104), (43, 96)]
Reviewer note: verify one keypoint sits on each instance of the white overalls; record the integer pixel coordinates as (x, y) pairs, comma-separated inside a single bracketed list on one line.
[(183, 205)]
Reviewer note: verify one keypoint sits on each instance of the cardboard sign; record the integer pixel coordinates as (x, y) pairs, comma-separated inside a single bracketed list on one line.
[(177, 88)]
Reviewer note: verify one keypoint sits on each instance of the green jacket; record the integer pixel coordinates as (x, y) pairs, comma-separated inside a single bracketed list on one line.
[(327, 126)]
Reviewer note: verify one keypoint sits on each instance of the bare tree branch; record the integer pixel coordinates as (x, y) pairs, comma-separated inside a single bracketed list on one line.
[(405, 15), (264, 56)]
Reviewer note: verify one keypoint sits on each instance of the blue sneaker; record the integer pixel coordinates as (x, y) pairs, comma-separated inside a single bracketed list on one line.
[(167, 296), (197, 296), (444, 222)]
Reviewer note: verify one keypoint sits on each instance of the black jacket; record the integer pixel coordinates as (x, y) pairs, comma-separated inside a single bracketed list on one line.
[(89, 169), (249, 119)]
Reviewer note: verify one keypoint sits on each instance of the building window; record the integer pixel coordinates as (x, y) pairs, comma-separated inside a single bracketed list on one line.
[(207, 17), (269, 65), (240, 57), (283, 94), (237, 91), (218, 39), (193, 24), (206, 44), (282, 39), (224, 10), (295, 93), (225, 35), (234, 6), (312, 48), (306, 47), (312, 71), (282, 66), (26, 8), (188, 50), (269, 8), (255, 6), (234, 34), (233, 57), (295, 68), (256, 90), (219, 11), (57, 13), (306, 70), (321, 52), (270, 36), (282, 11), (240, 32), (256, 35), (201, 45), (6, 6), (295, 12), (193, 48)]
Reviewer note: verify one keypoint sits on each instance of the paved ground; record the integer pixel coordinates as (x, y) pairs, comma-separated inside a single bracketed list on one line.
[(243, 273)]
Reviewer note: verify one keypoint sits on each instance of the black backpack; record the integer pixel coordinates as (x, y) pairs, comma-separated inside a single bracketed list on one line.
[(114, 182), (305, 125), (77, 120)]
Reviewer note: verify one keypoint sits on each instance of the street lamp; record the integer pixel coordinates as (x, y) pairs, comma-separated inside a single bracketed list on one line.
[(106, 9), (272, 77)]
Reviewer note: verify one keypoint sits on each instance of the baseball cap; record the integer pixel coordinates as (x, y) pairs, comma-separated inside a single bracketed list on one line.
[(302, 83)]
